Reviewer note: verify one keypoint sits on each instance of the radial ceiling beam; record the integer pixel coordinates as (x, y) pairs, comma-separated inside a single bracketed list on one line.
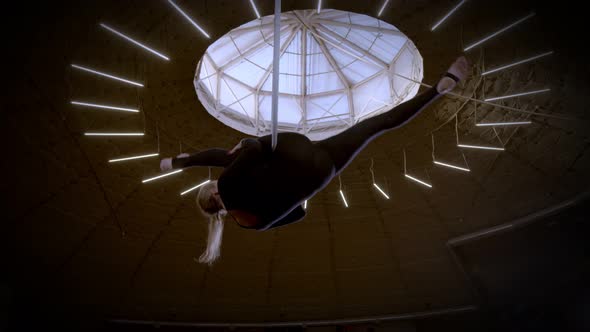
[(282, 51), (261, 26), (218, 82), (207, 78), (339, 73), (251, 50), (360, 27), (352, 45), (257, 91), (334, 65), (377, 74), (329, 111), (236, 97), (244, 85), (322, 46)]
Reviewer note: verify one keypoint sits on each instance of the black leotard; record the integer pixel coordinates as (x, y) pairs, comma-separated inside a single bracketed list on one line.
[(270, 185), (273, 184)]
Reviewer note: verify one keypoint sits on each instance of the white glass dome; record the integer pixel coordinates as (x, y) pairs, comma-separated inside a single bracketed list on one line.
[(336, 69)]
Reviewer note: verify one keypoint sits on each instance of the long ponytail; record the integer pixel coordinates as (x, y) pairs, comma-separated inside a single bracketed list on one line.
[(216, 223), (213, 250)]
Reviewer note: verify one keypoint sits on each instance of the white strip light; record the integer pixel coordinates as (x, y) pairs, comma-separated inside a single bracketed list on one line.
[(502, 124), (419, 181), (499, 32), (479, 147), (107, 75), (447, 16), (116, 108), (113, 134), (382, 8), (343, 198), (195, 187), (452, 166), (319, 10), (188, 18), (134, 157), (161, 176), (517, 63), (134, 42), (518, 95), (305, 205), (384, 194), (255, 9)]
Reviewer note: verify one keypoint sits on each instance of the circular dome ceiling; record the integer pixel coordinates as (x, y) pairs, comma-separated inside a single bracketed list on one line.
[(336, 69)]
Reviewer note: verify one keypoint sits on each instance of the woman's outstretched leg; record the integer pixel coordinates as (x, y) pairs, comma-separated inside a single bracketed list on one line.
[(344, 146)]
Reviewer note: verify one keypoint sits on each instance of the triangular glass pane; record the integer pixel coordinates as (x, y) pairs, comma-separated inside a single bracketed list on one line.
[(316, 60), (222, 51), (247, 73)]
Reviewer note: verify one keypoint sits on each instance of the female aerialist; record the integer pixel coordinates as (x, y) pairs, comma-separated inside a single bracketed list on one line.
[(262, 189)]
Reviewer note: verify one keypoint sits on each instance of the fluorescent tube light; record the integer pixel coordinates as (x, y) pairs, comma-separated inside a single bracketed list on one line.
[(116, 108), (195, 187), (134, 157), (129, 39), (161, 176), (107, 75)]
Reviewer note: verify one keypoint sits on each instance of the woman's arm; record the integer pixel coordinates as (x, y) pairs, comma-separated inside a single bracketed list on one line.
[(247, 151), (211, 157)]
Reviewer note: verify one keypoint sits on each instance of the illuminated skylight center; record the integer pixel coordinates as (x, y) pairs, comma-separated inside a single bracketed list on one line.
[(336, 69)]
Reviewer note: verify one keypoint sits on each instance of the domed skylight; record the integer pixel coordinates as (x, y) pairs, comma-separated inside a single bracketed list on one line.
[(348, 70)]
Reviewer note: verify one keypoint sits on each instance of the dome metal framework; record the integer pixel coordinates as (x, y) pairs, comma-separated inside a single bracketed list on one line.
[(336, 69)]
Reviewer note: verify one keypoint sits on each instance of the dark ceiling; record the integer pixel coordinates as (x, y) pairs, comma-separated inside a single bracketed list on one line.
[(88, 237)]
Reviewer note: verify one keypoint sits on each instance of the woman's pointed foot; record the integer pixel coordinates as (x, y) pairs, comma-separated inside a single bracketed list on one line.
[(166, 164), (456, 73)]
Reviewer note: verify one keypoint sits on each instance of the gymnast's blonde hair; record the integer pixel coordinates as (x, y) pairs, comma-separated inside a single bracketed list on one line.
[(210, 208)]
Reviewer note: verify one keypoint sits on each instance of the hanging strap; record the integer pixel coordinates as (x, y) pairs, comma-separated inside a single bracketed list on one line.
[(275, 73)]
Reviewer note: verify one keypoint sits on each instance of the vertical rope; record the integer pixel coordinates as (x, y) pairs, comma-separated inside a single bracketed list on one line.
[(497, 135), (432, 135), (405, 169), (456, 128), (372, 172), (158, 136), (461, 43), (275, 72), (475, 113), (143, 116), (465, 159), (483, 65)]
